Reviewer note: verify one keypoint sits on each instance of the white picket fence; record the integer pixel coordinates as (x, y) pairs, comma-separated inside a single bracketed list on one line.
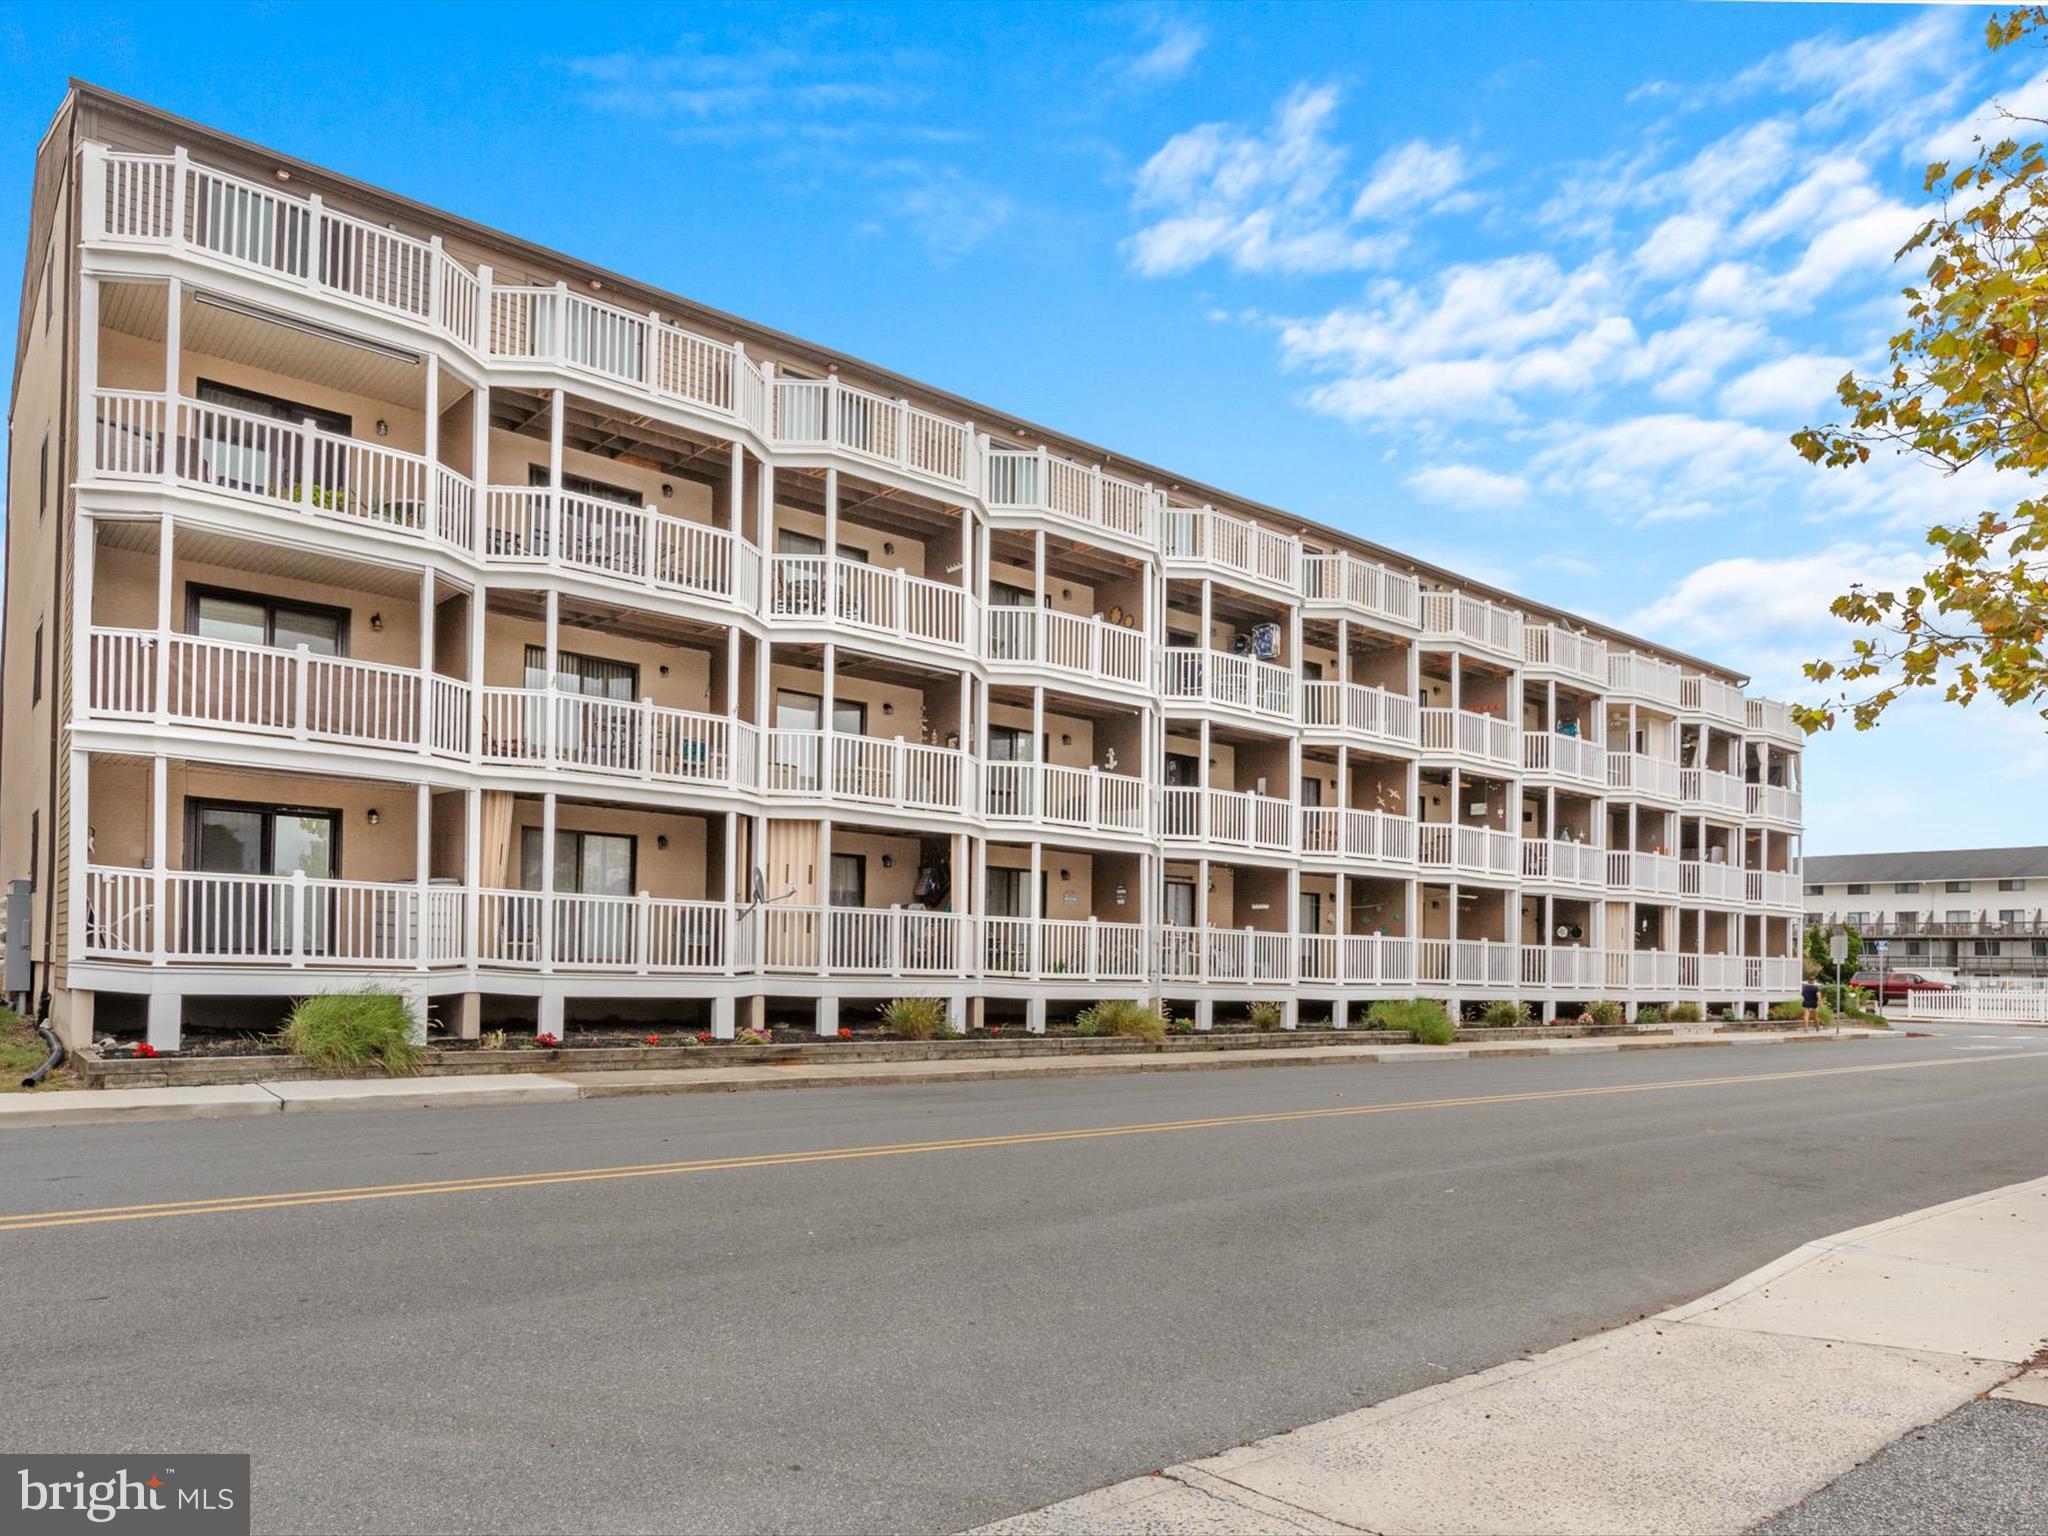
[(2021, 1005)]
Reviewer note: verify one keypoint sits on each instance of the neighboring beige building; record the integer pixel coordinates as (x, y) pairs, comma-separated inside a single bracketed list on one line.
[(389, 600), (1973, 911)]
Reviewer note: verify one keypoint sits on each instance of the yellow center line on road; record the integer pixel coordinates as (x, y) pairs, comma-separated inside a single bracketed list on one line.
[(230, 1204)]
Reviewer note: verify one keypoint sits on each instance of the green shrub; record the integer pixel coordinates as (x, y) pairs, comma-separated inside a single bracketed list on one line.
[(1782, 1011), (1121, 1016), (1422, 1017), (1726, 1014), (1685, 1013), (1180, 1026), (1649, 1013), (1502, 1013), (1606, 1013), (339, 1031), (914, 1018), (1265, 1017)]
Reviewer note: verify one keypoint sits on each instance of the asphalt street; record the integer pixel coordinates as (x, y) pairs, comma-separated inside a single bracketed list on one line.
[(919, 1308)]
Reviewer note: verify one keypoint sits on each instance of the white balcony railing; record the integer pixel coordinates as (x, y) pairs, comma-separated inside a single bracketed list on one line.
[(832, 413), (1564, 967), (1063, 949), (1359, 959), (1356, 709), (861, 941), (1467, 962), (535, 525), (1364, 587), (1711, 789), (1226, 818), (830, 591), (1771, 718), (1708, 881), (620, 738), (1770, 888), (1470, 734), (1068, 643), (1468, 850), (1085, 799), (1648, 874), (183, 916), (1773, 802), (1556, 649), (528, 930), (883, 771), (1713, 698), (1217, 540), (1709, 973), (1373, 836), (1555, 861), (1472, 620), (1193, 674), (1037, 481), (1230, 955), (1570, 757), (1643, 677), (270, 691), (1642, 774)]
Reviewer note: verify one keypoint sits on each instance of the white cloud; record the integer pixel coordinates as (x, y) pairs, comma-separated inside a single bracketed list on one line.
[(1270, 200), (1679, 244), (1464, 342), (1174, 43), (1881, 70), (1784, 387), (1770, 613), (1469, 486), (1665, 468), (1260, 200), (1415, 178)]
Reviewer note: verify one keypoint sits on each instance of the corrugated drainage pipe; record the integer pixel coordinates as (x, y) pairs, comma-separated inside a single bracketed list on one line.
[(56, 1056)]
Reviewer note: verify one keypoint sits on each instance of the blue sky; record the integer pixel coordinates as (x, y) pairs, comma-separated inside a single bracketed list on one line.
[(1534, 291)]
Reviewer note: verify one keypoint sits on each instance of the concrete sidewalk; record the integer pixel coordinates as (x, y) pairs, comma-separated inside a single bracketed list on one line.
[(1708, 1418), (89, 1107)]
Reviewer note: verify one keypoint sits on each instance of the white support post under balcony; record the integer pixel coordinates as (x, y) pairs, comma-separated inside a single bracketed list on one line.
[(432, 425), (472, 872), (159, 857), (424, 698), (547, 885), (422, 855), (479, 610), (174, 362)]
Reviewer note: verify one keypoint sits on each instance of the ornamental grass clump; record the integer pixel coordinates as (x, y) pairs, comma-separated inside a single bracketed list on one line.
[(1606, 1013), (1264, 1017), (1422, 1017), (1122, 1016), (1502, 1013), (342, 1031), (915, 1018), (1685, 1013)]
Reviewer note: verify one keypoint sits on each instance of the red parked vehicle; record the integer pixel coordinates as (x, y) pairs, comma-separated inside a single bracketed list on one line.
[(1892, 986)]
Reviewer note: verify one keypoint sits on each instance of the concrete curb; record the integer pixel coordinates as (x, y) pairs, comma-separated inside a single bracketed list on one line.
[(1708, 1418), (314, 1095)]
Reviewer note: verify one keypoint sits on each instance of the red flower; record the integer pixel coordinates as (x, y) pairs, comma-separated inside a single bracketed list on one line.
[(846, 1034), (652, 1040), (703, 1037), (144, 1048), (995, 1029), (546, 1042)]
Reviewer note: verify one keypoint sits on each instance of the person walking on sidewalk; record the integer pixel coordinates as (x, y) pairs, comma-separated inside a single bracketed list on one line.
[(1809, 1004)]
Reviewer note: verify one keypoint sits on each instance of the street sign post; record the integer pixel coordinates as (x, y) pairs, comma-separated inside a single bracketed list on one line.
[(1838, 951)]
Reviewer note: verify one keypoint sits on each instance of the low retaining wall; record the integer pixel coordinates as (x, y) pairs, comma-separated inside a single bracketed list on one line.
[(197, 1071)]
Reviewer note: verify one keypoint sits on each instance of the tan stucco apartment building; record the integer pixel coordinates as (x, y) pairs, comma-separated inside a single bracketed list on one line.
[(392, 601)]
